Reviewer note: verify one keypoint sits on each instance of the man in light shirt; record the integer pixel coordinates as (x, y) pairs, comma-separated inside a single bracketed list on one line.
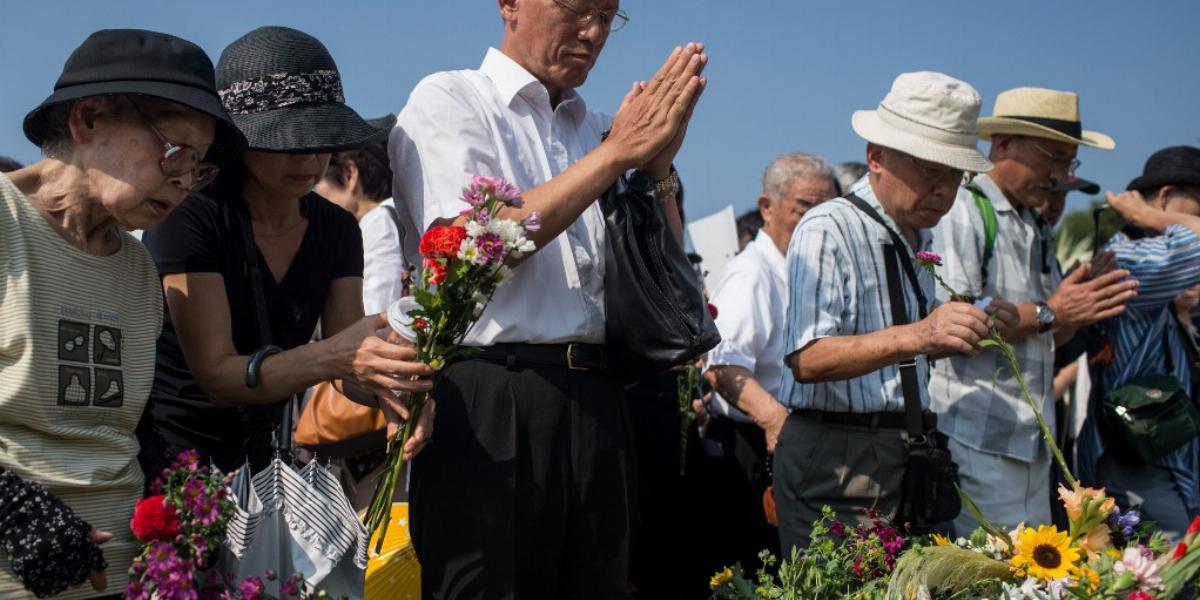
[(525, 493), (856, 358), (746, 368)]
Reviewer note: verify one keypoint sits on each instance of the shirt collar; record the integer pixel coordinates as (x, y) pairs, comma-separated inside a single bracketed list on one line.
[(513, 80), (775, 259), (862, 188)]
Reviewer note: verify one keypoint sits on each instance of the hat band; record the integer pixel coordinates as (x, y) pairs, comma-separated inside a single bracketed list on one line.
[(279, 90), (904, 123), (1069, 128)]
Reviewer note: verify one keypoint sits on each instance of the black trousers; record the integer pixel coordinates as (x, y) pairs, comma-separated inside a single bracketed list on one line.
[(524, 492)]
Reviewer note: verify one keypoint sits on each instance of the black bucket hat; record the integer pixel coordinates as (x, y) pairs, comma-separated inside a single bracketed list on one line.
[(135, 61), (1177, 165), (283, 91)]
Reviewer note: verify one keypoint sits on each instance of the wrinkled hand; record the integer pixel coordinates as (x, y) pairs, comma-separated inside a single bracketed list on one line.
[(397, 410), (952, 328), (653, 116), (1004, 316), (378, 365), (1083, 300), (1131, 206), (99, 579)]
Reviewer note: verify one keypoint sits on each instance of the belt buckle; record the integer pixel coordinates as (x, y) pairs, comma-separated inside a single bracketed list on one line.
[(571, 359)]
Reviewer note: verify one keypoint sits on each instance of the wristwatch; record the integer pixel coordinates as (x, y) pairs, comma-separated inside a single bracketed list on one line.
[(668, 187), (1045, 317)]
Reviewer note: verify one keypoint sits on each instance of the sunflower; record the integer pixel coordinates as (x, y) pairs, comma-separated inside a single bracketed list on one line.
[(721, 578), (1045, 553)]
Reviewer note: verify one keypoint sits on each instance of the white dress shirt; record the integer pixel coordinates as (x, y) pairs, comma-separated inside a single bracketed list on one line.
[(383, 261), (751, 300), (498, 121)]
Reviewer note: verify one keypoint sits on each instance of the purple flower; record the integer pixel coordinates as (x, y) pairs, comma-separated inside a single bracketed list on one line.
[(837, 528), (474, 196), (533, 222), (288, 587), (499, 187), (188, 459), (251, 589), (929, 259), (491, 246)]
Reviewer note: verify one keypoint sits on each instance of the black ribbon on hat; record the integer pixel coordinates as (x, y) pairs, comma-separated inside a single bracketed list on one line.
[(1070, 128), (280, 90)]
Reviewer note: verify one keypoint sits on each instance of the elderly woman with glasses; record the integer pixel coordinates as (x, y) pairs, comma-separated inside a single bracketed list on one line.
[(81, 305), (249, 266)]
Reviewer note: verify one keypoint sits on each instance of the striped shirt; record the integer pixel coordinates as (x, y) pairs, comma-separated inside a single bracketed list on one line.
[(77, 339), (976, 408), (837, 286), (1164, 266)]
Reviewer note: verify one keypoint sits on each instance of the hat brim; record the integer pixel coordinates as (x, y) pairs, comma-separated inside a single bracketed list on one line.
[(1080, 185), (308, 129), (226, 141), (989, 126), (869, 126), (1155, 180)]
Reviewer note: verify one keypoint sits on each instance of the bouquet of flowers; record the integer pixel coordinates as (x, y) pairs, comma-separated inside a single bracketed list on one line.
[(181, 526), (463, 266), (840, 562)]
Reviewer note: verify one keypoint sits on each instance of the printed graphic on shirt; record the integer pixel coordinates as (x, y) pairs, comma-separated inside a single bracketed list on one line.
[(108, 346), (73, 341), (87, 384), (110, 388), (74, 385)]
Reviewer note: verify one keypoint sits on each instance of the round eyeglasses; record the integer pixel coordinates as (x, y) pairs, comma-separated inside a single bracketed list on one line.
[(179, 160)]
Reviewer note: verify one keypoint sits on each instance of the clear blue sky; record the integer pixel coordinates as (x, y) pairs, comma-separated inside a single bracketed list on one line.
[(784, 75)]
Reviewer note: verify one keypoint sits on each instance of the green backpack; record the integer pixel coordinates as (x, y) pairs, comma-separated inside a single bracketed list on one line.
[(989, 229)]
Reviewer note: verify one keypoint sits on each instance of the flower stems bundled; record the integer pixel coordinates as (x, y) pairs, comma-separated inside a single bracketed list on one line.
[(463, 267)]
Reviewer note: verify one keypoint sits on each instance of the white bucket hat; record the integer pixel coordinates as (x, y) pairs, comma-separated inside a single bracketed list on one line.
[(928, 115)]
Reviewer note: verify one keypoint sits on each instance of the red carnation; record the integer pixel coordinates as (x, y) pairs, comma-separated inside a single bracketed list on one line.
[(155, 519), (712, 309), (435, 272), (1180, 550), (442, 241), (1195, 528)]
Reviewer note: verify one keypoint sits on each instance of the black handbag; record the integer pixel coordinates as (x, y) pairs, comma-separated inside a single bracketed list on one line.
[(929, 495), (656, 313)]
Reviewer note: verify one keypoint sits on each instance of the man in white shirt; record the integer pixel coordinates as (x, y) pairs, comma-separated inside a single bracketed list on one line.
[(746, 368), (526, 492)]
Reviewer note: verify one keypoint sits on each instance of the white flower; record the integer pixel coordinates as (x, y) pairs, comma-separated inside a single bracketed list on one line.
[(474, 229), (502, 274), (508, 229), (1139, 562), (469, 252), (1030, 589)]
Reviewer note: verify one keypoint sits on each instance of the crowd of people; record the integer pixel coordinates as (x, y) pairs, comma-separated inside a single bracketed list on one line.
[(279, 225)]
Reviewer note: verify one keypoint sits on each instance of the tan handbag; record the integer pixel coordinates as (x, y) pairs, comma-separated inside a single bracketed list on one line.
[(335, 426)]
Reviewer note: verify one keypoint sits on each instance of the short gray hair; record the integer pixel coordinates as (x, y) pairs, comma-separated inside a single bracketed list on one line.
[(850, 172), (779, 174)]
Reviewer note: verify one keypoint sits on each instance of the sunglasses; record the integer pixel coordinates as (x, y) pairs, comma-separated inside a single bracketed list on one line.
[(179, 160)]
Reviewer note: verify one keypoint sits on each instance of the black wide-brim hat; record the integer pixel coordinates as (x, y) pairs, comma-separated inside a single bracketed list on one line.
[(135, 61), (283, 91), (1177, 165)]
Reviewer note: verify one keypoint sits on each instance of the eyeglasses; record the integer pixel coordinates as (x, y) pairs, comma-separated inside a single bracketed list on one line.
[(610, 20), (179, 159), (937, 172), (1072, 164)]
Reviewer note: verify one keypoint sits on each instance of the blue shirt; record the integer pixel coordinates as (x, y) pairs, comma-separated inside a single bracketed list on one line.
[(1164, 266), (837, 286)]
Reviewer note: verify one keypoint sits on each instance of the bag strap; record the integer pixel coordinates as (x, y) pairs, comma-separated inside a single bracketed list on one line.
[(988, 213), (262, 322), (909, 385), (898, 246)]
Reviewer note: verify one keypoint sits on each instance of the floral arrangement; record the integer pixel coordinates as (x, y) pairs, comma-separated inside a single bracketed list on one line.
[(463, 267), (1105, 554), (181, 526), (840, 562)]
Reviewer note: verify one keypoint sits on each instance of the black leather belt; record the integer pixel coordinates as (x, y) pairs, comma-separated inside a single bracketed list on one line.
[(574, 356), (875, 420)]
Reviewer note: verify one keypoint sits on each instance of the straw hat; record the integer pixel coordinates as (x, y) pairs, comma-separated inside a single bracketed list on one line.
[(1038, 112), (930, 116)]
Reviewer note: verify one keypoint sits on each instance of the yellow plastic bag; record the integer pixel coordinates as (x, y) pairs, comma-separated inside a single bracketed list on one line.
[(394, 573)]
